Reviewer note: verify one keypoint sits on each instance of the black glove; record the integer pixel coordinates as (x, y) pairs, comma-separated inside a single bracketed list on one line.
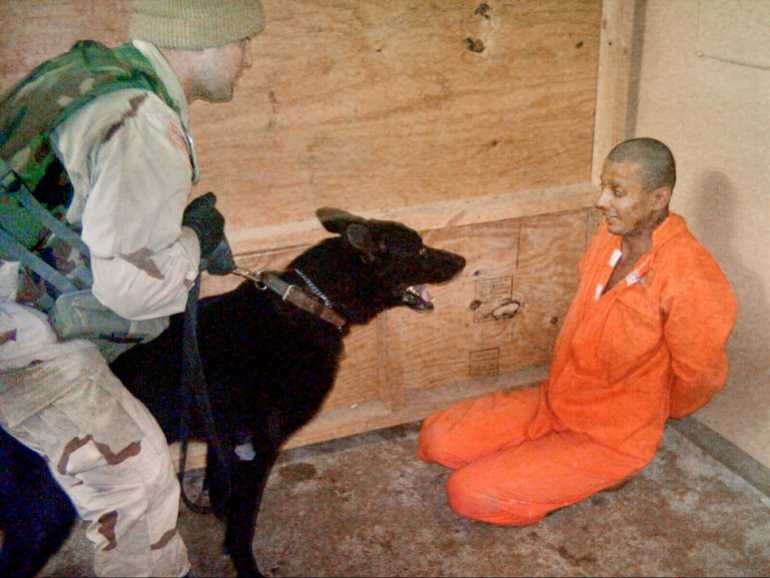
[(221, 261), (208, 223)]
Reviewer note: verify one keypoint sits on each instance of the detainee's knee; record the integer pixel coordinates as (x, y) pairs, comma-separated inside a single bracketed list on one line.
[(426, 445), (467, 499), (435, 446)]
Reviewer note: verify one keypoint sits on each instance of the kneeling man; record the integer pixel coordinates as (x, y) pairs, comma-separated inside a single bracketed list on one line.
[(644, 340)]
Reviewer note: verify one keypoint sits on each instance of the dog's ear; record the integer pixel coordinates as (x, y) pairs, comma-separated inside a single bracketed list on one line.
[(337, 220), (360, 237), (352, 227)]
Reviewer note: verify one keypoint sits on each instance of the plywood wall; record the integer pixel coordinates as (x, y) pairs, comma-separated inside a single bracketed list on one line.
[(374, 106), (472, 122)]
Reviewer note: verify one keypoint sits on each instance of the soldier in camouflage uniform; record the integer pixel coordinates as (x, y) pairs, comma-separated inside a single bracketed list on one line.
[(98, 138)]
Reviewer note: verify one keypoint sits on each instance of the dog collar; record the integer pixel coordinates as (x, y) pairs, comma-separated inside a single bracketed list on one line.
[(314, 289), (294, 294)]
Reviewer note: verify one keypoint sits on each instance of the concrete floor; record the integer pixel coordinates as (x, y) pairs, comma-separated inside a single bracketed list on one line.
[(365, 506)]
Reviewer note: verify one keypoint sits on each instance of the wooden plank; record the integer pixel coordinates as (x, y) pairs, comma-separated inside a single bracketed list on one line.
[(430, 216), (441, 347), (419, 404), (381, 108), (615, 82), (41, 29), (550, 248), (390, 374)]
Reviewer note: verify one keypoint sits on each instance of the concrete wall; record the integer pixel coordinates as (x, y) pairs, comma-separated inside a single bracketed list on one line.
[(704, 89)]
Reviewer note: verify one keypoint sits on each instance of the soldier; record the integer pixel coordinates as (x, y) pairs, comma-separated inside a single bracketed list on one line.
[(97, 166)]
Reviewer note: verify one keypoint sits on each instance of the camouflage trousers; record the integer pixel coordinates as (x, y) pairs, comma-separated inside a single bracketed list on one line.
[(107, 453)]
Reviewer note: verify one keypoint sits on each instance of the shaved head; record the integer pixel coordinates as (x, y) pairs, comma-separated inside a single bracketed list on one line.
[(657, 167)]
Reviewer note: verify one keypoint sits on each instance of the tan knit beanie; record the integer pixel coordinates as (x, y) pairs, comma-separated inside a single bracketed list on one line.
[(195, 24)]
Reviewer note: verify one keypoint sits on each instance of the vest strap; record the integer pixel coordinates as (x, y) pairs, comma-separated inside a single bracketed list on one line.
[(16, 251)]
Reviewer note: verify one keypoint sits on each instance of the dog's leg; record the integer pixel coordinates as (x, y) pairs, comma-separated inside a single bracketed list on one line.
[(248, 485)]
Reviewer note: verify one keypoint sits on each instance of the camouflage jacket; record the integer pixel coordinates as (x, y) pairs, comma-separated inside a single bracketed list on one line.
[(46, 124), (31, 175)]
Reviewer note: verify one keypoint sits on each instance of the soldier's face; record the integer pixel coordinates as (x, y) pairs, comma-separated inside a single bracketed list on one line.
[(220, 67)]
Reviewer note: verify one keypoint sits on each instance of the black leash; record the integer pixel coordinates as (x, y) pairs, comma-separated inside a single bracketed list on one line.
[(195, 392)]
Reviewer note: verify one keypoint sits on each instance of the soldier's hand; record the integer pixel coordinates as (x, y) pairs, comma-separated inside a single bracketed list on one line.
[(202, 216)]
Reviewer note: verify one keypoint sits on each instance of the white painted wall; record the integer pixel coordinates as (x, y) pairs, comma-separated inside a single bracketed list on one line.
[(704, 89)]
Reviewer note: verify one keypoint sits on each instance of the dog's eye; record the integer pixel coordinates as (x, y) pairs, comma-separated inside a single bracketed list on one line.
[(422, 251)]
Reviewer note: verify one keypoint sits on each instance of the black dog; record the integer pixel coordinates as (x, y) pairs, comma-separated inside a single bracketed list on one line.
[(269, 365)]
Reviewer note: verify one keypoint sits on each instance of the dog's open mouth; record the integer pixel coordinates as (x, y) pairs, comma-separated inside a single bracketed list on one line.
[(418, 297)]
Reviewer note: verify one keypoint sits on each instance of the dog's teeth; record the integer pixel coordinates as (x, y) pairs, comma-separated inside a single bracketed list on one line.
[(419, 296), (421, 291)]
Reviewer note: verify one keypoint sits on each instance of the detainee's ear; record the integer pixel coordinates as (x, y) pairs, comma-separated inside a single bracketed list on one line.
[(661, 197)]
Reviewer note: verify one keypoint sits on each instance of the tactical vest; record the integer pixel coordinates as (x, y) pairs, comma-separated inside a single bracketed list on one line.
[(35, 190)]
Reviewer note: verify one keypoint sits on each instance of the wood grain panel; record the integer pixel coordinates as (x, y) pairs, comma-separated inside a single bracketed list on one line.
[(44, 28), (504, 312), (381, 105), (373, 106), (550, 248)]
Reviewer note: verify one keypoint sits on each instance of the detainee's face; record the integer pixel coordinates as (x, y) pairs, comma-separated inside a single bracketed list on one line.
[(627, 207), (220, 68)]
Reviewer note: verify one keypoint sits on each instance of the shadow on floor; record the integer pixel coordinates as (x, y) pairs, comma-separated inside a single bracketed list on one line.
[(365, 506)]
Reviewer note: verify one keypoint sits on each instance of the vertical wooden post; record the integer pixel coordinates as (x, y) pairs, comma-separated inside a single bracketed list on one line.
[(615, 77), (390, 377)]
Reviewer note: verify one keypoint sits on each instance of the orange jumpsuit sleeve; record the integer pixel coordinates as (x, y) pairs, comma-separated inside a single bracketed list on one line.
[(700, 309)]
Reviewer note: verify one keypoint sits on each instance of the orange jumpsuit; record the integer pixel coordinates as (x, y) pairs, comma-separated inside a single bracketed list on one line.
[(650, 348)]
